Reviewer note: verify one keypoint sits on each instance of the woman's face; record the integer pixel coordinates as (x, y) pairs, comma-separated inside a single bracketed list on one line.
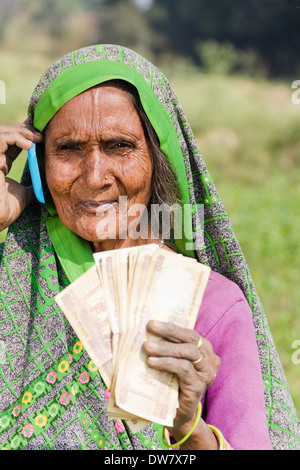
[(95, 152)]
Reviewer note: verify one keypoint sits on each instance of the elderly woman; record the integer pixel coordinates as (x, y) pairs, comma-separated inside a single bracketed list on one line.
[(107, 124)]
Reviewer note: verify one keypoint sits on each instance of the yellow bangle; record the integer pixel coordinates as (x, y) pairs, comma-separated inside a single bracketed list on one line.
[(185, 438), (219, 436)]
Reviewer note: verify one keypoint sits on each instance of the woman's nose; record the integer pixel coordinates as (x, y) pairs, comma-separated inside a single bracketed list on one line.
[(97, 169)]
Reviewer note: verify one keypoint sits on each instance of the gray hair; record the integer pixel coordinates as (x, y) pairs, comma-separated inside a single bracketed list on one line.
[(164, 184)]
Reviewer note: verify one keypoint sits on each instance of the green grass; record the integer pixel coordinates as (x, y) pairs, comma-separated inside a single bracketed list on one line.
[(248, 131)]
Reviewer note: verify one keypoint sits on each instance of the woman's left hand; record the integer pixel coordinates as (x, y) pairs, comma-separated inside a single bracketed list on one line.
[(188, 355)]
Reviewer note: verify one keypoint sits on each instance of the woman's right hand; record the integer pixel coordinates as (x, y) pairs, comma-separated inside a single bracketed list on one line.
[(13, 196)]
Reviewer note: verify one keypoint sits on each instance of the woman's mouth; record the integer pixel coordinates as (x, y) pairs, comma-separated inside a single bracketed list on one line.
[(98, 207)]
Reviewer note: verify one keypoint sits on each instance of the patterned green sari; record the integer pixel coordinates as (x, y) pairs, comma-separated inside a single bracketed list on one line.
[(51, 395)]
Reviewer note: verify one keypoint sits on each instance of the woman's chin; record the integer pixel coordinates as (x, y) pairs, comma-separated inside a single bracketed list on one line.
[(108, 231), (99, 235)]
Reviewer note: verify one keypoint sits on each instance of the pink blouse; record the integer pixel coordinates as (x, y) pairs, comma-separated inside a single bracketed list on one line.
[(234, 403)]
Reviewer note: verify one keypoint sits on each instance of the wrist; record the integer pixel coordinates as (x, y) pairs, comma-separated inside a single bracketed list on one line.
[(177, 431), (181, 428), (201, 439), (197, 435)]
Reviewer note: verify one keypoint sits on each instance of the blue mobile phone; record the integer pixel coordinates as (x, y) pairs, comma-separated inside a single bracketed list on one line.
[(35, 174)]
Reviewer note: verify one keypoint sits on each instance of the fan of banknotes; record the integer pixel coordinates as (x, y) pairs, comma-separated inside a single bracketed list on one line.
[(109, 307)]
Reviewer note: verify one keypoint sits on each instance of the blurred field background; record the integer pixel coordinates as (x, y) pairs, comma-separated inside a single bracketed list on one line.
[(232, 66)]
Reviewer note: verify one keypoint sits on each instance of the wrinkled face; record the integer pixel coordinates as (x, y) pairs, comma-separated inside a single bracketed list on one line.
[(95, 152)]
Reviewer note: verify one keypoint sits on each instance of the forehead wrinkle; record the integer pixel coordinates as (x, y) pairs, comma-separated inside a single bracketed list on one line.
[(119, 117)]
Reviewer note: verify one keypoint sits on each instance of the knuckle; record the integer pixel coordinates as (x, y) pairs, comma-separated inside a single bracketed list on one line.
[(186, 367), (215, 366), (207, 345), (172, 328), (184, 350), (216, 362), (168, 362), (5, 137), (211, 376), (193, 353), (194, 338), (3, 166), (166, 348), (210, 379)]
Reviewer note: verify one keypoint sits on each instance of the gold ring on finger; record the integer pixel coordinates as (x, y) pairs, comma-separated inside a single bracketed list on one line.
[(198, 360), (200, 342)]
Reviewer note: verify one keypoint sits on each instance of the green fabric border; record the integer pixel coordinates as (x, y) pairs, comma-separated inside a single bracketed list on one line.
[(74, 253)]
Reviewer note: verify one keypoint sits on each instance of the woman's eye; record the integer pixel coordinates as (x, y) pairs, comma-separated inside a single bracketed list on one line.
[(69, 147), (123, 145)]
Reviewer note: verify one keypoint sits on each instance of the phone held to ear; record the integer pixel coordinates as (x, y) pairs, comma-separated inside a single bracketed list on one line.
[(35, 174)]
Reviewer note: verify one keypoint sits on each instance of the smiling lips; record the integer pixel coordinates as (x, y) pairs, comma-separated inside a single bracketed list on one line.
[(98, 208)]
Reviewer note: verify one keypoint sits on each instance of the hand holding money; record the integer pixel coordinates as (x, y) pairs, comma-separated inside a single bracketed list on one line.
[(149, 371), (176, 354)]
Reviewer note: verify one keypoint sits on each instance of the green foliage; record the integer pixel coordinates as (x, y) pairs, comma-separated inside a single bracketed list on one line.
[(217, 58), (253, 37), (270, 28), (224, 58), (124, 24)]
